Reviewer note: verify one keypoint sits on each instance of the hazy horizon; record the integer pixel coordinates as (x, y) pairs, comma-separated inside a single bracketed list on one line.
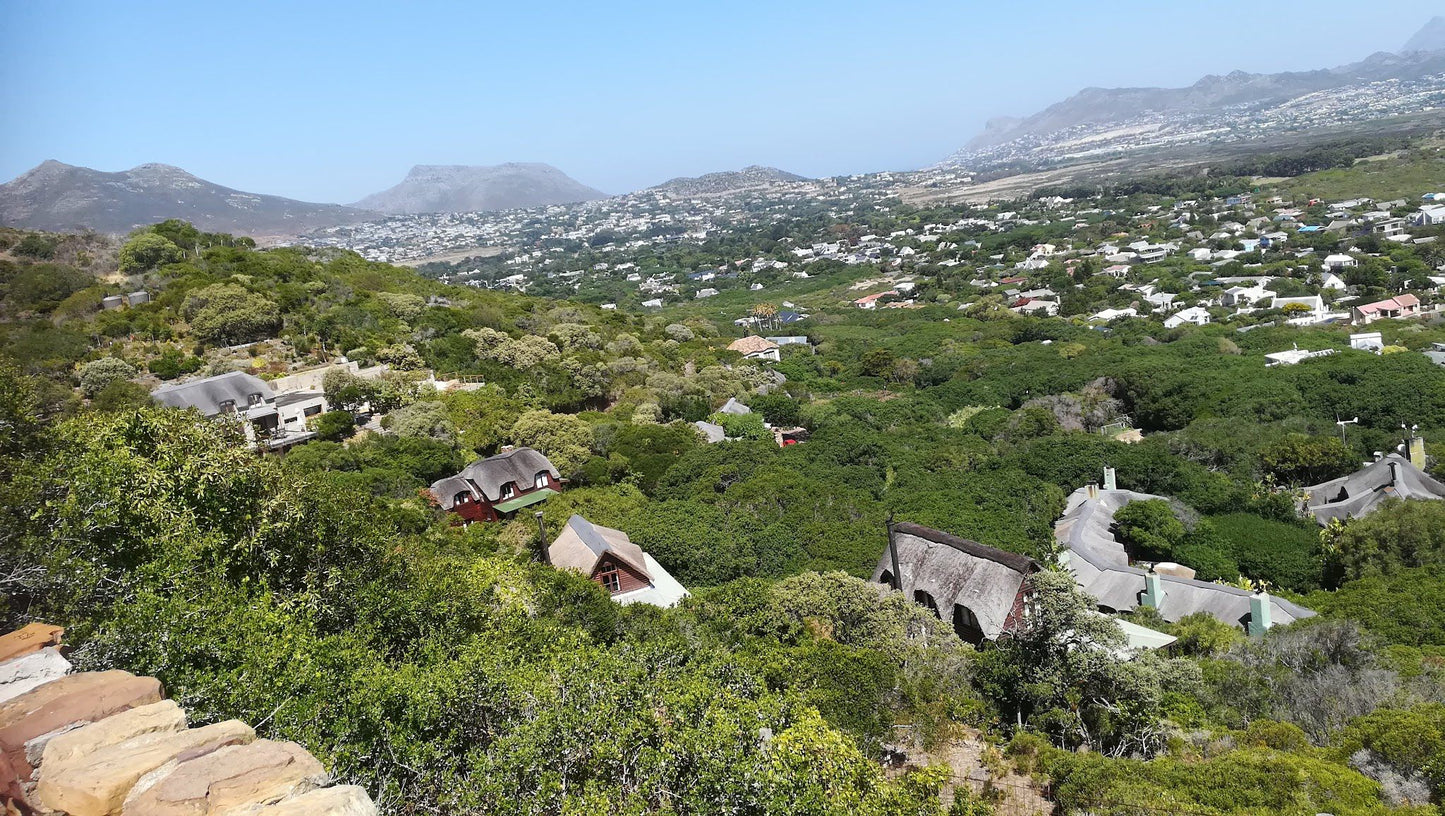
[(330, 103)]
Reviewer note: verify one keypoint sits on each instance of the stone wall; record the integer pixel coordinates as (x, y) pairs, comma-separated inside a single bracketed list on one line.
[(98, 743)]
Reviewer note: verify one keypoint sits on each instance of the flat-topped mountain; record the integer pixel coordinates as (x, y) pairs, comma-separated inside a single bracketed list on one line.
[(729, 181), (59, 197), (463, 188)]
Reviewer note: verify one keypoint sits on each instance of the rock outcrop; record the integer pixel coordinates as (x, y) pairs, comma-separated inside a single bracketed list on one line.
[(109, 744)]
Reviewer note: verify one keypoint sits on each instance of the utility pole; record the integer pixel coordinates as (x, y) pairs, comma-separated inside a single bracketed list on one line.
[(542, 540)]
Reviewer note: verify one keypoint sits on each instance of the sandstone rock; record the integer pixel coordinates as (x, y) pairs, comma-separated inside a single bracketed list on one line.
[(98, 785), (75, 698), (233, 777), (21, 674), (343, 800), (28, 639), (65, 750)]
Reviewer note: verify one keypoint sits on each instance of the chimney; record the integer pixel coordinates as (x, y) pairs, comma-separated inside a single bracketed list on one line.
[(1259, 614), (542, 545), (1394, 473), (893, 555), (1417, 451), (1093, 490), (1110, 482), (1153, 590)]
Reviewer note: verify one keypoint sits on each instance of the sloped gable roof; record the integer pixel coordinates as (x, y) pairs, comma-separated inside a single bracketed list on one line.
[(520, 466), (1358, 493), (582, 544), (956, 571), (752, 344)]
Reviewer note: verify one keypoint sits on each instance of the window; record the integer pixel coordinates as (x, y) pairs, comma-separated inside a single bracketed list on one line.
[(508, 491), (253, 400), (611, 579), (228, 406), (461, 498), (541, 480), (313, 410)]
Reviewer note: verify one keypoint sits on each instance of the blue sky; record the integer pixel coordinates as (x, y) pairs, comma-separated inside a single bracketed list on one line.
[(332, 101)]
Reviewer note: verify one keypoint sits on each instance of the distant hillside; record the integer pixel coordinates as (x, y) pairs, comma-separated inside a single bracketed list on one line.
[(1422, 56), (461, 188), (1429, 38), (729, 181), (61, 197)]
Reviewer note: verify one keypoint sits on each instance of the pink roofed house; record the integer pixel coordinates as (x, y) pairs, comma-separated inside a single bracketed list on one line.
[(1396, 307)]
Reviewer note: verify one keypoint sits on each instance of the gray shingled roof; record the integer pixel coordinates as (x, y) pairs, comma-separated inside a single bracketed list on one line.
[(956, 571), (520, 466), (713, 432), (484, 478), (1101, 566), (207, 395), (446, 490), (1360, 492)]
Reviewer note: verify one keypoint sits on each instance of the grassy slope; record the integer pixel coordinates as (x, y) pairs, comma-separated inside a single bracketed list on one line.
[(1409, 177)]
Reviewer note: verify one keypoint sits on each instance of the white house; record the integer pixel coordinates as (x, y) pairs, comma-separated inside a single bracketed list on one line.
[(1368, 341), (1337, 261), (1162, 301), (1111, 314), (1430, 216), (1314, 303), (1198, 315), (1333, 281), (1245, 295)]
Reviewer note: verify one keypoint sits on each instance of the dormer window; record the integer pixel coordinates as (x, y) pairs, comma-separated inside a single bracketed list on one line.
[(254, 400), (228, 406), (461, 498), (508, 491), (541, 480), (611, 579)]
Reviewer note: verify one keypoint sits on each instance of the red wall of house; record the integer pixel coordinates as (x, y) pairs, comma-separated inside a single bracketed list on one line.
[(629, 577), (1016, 614), (474, 511), (481, 510)]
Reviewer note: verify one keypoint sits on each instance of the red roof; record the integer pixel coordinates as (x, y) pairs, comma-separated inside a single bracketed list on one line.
[(1400, 302)]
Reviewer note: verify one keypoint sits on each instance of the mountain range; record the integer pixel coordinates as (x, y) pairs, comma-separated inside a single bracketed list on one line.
[(1422, 55), (61, 197), (460, 188)]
